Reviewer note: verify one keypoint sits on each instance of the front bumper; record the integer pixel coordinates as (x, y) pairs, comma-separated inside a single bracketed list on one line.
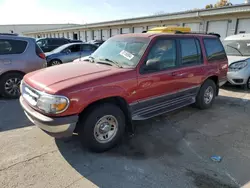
[(58, 127), (238, 77)]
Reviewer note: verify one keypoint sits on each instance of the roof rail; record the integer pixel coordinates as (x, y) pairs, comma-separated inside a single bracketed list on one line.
[(201, 33), (9, 34)]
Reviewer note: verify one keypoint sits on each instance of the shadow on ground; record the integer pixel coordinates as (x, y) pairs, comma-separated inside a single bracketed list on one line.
[(12, 115), (159, 140)]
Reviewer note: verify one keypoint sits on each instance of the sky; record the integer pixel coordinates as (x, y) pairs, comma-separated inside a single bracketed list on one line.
[(89, 11)]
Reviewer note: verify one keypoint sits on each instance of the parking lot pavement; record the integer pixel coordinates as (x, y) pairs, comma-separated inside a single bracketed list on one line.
[(172, 151)]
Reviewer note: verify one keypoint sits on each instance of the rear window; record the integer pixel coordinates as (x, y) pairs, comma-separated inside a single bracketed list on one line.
[(8, 46), (214, 49)]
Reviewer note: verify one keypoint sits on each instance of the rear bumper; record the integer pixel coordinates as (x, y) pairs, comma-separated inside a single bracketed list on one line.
[(58, 127)]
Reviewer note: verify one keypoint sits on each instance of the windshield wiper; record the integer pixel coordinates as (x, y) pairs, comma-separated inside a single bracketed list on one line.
[(111, 62), (235, 49)]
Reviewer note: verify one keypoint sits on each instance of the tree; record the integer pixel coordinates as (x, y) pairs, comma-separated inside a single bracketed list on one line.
[(209, 6), (222, 3)]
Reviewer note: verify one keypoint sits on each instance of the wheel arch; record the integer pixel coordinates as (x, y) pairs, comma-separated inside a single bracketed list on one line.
[(12, 71), (214, 78), (117, 100)]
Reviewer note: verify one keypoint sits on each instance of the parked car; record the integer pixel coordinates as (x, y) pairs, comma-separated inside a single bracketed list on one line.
[(49, 44), (129, 77), (238, 51), (18, 56), (69, 52)]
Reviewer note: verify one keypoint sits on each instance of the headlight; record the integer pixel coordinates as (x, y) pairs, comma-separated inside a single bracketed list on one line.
[(52, 104), (238, 65)]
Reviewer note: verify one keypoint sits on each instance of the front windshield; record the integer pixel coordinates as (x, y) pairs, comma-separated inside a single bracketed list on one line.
[(237, 47), (125, 51)]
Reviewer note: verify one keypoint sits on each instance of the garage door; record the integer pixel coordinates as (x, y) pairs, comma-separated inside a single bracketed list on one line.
[(105, 34), (219, 27), (89, 35), (243, 26), (97, 35), (138, 29), (125, 30), (195, 27), (114, 32)]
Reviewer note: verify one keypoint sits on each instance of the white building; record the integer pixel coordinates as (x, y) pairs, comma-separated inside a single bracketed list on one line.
[(21, 28), (225, 21)]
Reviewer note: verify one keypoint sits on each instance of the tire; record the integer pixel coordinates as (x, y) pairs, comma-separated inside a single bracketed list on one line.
[(54, 62), (205, 102), (247, 85), (90, 132), (10, 85)]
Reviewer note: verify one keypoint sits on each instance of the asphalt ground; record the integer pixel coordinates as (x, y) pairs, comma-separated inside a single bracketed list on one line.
[(173, 151)]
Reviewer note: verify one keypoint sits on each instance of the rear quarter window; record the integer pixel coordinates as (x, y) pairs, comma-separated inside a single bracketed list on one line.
[(214, 49), (8, 46)]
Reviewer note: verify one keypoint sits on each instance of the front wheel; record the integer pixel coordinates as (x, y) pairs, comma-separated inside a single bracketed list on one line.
[(206, 95), (103, 127)]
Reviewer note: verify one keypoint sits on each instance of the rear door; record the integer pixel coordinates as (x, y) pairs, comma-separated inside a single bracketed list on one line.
[(191, 68)]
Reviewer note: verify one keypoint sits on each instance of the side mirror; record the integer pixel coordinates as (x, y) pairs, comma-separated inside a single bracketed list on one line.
[(151, 63)]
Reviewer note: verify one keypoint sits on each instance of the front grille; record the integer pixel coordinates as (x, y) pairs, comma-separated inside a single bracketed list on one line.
[(30, 94)]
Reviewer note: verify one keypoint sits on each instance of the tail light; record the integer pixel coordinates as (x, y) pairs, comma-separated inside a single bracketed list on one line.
[(39, 52), (42, 55)]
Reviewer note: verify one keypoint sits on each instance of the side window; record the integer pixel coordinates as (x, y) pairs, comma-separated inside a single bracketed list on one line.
[(12, 46), (190, 52), (214, 49), (162, 56), (75, 48), (87, 47)]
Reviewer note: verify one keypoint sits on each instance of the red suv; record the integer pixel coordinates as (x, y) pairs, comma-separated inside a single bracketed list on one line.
[(129, 77)]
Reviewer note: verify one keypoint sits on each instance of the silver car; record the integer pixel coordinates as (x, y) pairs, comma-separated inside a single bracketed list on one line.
[(69, 52), (238, 51), (18, 56)]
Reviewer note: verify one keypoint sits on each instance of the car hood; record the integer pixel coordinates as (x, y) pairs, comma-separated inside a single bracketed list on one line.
[(232, 59), (57, 78)]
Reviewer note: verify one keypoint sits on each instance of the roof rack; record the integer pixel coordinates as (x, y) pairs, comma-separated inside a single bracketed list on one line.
[(199, 33), (9, 34)]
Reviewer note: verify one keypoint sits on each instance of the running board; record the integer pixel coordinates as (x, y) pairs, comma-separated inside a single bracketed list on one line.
[(161, 109)]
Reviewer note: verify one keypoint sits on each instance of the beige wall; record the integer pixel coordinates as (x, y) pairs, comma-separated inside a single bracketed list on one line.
[(231, 29)]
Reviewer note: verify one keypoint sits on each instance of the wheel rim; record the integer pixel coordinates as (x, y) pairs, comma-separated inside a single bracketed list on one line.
[(105, 129), (208, 95), (12, 85), (55, 63)]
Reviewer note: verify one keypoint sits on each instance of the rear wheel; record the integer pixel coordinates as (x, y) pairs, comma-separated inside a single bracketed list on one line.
[(103, 127), (10, 85), (206, 95), (54, 62)]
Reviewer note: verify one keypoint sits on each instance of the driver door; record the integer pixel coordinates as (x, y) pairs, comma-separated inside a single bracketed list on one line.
[(72, 52)]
